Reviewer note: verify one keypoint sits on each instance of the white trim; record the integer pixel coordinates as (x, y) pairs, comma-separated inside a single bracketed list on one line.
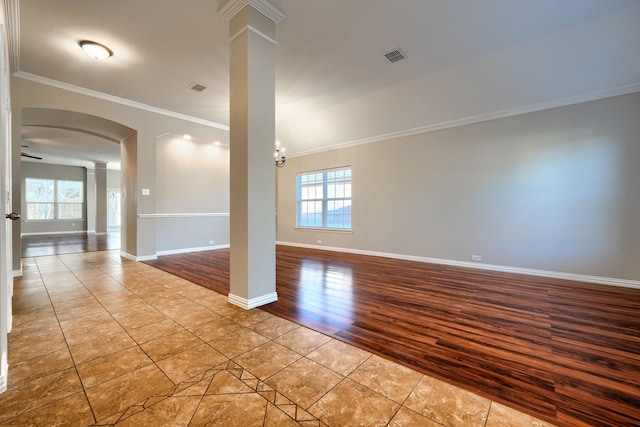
[(624, 90), (117, 100), (183, 215), (232, 7), (253, 302), (492, 267), (17, 273), (4, 372), (12, 15), (137, 258), (46, 233), (254, 31), (324, 230), (188, 250)]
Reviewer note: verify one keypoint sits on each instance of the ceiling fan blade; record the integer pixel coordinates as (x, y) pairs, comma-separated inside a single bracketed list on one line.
[(30, 156)]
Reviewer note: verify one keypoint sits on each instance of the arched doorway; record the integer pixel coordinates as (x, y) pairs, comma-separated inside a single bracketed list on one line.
[(69, 149)]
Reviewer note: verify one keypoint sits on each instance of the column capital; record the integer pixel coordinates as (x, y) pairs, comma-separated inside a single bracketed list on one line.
[(232, 7)]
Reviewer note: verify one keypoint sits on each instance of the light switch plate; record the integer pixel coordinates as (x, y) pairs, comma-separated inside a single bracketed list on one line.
[(146, 192)]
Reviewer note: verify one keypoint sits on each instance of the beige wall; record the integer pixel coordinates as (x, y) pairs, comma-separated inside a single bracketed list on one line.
[(555, 190)]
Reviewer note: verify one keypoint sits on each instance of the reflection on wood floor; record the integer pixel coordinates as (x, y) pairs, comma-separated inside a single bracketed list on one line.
[(564, 351), (58, 244)]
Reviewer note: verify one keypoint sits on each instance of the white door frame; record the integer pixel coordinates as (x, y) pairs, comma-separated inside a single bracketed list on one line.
[(6, 272)]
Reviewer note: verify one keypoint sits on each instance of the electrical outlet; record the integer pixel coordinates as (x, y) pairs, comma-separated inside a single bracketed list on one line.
[(212, 242), (476, 258), (319, 241)]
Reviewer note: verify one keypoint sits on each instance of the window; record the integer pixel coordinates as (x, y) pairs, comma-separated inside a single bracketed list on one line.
[(113, 207), (49, 199), (324, 199)]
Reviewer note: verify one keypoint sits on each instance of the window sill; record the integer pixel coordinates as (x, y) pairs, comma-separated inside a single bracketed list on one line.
[(326, 230)]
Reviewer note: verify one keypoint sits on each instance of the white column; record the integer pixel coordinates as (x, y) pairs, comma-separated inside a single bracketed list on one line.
[(91, 200), (252, 49), (101, 198)]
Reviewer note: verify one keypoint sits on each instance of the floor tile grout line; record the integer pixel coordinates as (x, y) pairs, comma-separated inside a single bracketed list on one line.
[(126, 331), (249, 327), (155, 362), (195, 411), (344, 377), (240, 354), (75, 365), (134, 340)]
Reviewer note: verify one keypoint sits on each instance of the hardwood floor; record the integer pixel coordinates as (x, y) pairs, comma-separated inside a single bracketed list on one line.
[(57, 244), (567, 352)]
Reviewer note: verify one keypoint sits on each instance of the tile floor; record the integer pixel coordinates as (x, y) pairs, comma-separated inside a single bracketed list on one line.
[(98, 340)]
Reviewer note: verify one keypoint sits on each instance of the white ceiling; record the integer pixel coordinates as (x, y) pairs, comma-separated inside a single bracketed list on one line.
[(467, 60)]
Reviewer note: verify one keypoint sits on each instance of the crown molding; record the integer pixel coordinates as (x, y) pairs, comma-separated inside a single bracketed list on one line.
[(12, 15), (232, 7), (251, 29), (593, 96), (117, 100)]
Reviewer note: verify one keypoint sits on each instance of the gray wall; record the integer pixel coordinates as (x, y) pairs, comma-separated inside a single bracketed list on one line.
[(192, 200), (555, 190), (45, 170)]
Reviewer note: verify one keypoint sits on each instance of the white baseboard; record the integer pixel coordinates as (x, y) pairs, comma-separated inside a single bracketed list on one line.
[(138, 258), (502, 268), (17, 273), (253, 302), (187, 250), (171, 252), (45, 233)]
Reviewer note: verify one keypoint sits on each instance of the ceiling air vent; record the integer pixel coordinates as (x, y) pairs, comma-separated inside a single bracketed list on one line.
[(395, 55), (197, 87)]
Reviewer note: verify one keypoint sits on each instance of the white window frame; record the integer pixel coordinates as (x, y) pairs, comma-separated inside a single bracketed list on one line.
[(324, 201), (56, 203)]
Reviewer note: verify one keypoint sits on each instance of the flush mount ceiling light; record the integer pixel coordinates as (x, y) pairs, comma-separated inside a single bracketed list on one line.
[(95, 50)]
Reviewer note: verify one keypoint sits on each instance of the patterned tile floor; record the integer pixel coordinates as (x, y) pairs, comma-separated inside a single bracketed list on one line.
[(98, 340)]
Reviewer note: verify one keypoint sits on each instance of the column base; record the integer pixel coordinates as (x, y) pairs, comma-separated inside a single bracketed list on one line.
[(248, 304)]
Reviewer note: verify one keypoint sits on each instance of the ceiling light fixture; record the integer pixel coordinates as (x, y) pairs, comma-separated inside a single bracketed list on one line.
[(95, 50)]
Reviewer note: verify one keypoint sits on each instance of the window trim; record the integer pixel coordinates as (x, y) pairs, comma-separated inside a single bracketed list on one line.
[(55, 201), (324, 200)]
